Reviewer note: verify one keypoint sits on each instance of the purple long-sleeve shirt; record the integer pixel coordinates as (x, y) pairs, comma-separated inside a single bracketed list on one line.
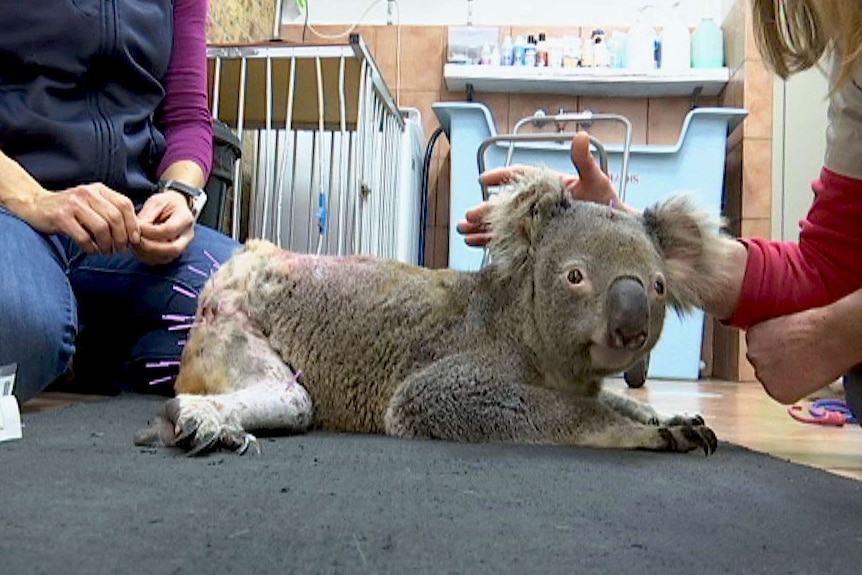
[(184, 114)]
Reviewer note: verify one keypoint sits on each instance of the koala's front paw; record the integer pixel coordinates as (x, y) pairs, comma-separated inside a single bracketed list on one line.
[(685, 437), (674, 420), (201, 427)]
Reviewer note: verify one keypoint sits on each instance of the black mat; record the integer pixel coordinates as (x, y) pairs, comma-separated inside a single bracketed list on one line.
[(77, 497)]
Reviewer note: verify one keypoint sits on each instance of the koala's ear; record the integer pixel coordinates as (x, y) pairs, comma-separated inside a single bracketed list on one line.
[(694, 252), (518, 216)]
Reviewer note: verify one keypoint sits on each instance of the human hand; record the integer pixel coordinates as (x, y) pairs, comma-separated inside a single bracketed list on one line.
[(96, 217), (591, 184), (795, 355), (167, 228)]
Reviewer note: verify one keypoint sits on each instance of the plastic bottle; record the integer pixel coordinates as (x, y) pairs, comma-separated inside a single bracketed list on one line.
[(530, 52), (555, 53), (518, 51), (542, 51), (641, 45), (675, 43), (601, 54), (485, 57), (707, 43), (507, 53), (617, 44)]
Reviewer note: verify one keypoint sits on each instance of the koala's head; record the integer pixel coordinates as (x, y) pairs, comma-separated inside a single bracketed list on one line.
[(596, 280)]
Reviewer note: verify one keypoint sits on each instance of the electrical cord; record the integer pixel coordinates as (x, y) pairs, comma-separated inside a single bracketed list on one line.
[(348, 31)]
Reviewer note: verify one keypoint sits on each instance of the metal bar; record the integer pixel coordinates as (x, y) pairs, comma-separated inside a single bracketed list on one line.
[(268, 159), (288, 140), (240, 115), (534, 138), (582, 117), (361, 51)]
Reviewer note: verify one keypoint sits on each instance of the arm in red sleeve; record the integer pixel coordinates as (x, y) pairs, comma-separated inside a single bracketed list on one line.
[(785, 277), (184, 115)]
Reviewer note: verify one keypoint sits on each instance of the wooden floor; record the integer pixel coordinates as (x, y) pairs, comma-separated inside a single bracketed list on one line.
[(739, 413), (742, 413)]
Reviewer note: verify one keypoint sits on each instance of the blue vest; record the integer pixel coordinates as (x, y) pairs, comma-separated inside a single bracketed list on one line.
[(80, 81)]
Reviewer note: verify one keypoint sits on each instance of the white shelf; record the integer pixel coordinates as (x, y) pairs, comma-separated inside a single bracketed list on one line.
[(603, 82)]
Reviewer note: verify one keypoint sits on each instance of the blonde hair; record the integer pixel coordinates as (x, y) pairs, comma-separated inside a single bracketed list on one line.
[(793, 35)]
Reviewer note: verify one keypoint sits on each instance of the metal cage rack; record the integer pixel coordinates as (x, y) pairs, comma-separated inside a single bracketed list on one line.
[(328, 159)]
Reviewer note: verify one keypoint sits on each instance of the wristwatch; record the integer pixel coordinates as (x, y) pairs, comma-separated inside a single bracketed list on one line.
[(196, 196)]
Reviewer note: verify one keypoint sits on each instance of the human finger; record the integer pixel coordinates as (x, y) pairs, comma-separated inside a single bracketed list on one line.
[(158, 253), (92, 213), (478, 240), (477, 214), (126, 209), (110, 206), (505, 175), (589, 172), (176, 224)]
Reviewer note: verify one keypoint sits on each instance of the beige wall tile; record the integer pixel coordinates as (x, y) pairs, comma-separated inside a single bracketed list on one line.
[(423, 50), (442, 193), (734, 26), (635, 109), (733, 189), (440, 255), (665, 117), (524, 105), (734, 91), (757, 179), (758, 100), (422, 101), (756, 228), (386, 55), (751, 51), (499, 106)]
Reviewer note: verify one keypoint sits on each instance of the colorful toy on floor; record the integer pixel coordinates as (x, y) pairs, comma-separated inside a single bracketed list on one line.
[(832, 412)]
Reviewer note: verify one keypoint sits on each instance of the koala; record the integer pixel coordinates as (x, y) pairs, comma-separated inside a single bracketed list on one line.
[(515, 352)]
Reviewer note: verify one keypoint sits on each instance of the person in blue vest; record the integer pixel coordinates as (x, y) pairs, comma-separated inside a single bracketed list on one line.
[(105, 144)]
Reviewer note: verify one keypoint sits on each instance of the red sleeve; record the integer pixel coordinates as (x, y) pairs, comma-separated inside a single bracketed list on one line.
[(826, 264), (184, 115)]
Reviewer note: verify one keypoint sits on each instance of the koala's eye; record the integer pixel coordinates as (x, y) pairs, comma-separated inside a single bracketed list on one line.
[(575, 276), (659, 286)]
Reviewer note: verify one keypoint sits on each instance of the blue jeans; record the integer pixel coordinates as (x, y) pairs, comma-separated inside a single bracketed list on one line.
[(107, 312)]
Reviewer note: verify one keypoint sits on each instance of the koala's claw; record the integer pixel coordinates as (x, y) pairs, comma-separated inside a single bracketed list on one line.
[(682, 438), (239, 441), (676, 420), (200, 428)]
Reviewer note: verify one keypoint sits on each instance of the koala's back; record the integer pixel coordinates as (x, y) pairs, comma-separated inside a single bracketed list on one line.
[(356, 327)]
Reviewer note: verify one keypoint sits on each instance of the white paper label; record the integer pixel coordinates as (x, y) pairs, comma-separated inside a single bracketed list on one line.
[(10, 415)]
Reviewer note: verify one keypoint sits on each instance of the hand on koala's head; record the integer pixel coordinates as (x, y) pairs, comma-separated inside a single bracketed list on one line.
[(591, 184)]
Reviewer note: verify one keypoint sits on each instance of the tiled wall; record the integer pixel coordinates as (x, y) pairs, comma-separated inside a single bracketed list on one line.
[(748, 178), (422, 56)]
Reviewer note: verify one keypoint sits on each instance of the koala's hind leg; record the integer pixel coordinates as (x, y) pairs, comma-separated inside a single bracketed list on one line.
[(231, 383), (200, 424), (463, 398)]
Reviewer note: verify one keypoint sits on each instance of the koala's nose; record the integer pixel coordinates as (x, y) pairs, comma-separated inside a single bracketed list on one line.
[(628, 313)]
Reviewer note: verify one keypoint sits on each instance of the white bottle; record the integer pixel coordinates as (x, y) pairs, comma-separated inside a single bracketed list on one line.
[(507, 54), (675, 43), (640, 48)]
